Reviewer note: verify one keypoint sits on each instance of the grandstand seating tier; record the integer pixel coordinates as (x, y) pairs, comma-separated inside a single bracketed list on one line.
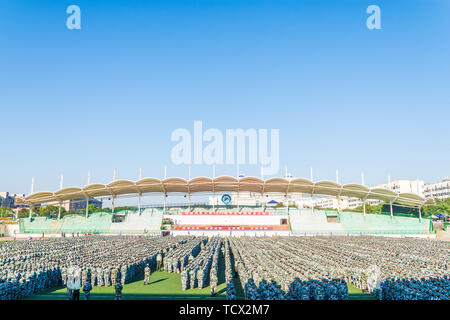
[(301, 221)]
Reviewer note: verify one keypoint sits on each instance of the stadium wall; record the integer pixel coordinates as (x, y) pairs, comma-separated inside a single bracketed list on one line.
[(9, 230), (300, 222)]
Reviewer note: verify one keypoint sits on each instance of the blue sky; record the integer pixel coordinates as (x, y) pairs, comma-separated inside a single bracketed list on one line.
[(109, 95)]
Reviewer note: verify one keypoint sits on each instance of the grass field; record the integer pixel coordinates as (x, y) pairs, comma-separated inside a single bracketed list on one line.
[(355, 293)]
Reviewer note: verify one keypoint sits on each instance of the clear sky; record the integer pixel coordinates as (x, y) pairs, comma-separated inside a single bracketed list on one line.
[(109, 95)]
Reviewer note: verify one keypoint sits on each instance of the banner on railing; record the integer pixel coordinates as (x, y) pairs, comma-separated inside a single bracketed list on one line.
[(225, 213), (226, 228)]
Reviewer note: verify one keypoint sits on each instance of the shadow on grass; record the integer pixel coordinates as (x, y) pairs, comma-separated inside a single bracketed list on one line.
[(158, 281), (222, 290), (221, 270)]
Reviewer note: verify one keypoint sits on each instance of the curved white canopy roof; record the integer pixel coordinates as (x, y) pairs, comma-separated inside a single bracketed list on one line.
[(227, 184)]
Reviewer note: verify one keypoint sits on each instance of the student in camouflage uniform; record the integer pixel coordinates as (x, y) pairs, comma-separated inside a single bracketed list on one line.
[(118, 291), (87, 287), (107, 275), (114, 272), (159, 261), (213, 283), (146, 275)]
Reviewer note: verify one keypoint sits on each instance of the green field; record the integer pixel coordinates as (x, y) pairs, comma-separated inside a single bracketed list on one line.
[(355, 293)]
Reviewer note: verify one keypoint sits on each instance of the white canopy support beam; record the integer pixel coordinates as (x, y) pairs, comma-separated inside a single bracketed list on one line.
[(392, 209), (164, 208), (112, 203), (364, 201), (312, 193), (364, 208), (59, 210), (189, 202), (139, 203)]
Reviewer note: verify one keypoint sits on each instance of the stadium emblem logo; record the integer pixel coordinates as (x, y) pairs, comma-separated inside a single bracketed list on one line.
[(226, 199)]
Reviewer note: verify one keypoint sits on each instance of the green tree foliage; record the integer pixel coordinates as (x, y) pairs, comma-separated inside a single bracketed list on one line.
[(50, 211), (369, 208), (117, 209), (441, 207), (5, 212), (94, 208), (24, 213)]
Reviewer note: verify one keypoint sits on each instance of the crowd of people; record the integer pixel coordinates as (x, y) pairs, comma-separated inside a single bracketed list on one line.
[(321, 267), (229, 273), (178, 257), (415, 289), (32, 266), (265, 268), (198, 271)]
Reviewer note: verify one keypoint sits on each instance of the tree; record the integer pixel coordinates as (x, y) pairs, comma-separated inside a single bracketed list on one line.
[(24, 213), (94, 208), (5, 212), (369, 208), (50, 211), (441, 207)]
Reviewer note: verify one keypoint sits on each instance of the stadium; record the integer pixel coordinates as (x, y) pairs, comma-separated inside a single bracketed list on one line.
[(248, 87), (224, 251), (226, 219)]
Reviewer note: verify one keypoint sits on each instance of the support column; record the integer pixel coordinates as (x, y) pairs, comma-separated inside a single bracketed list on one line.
[(364, 208), (59, 210), (164, 207), (392, 210), (189, 202), (339, 204), (420, 213), (139, 203), (238, 202), (31, 211), (87, 207), (112, 204), (312, 203), (287, 201)]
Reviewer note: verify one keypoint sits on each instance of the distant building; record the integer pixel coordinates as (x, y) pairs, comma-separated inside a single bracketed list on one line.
[(8, 200), (404, 186), (344, 203), (80, 204), (440, 190)]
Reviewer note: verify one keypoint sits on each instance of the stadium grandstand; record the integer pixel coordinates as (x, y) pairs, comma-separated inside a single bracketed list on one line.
[(225, 219)]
